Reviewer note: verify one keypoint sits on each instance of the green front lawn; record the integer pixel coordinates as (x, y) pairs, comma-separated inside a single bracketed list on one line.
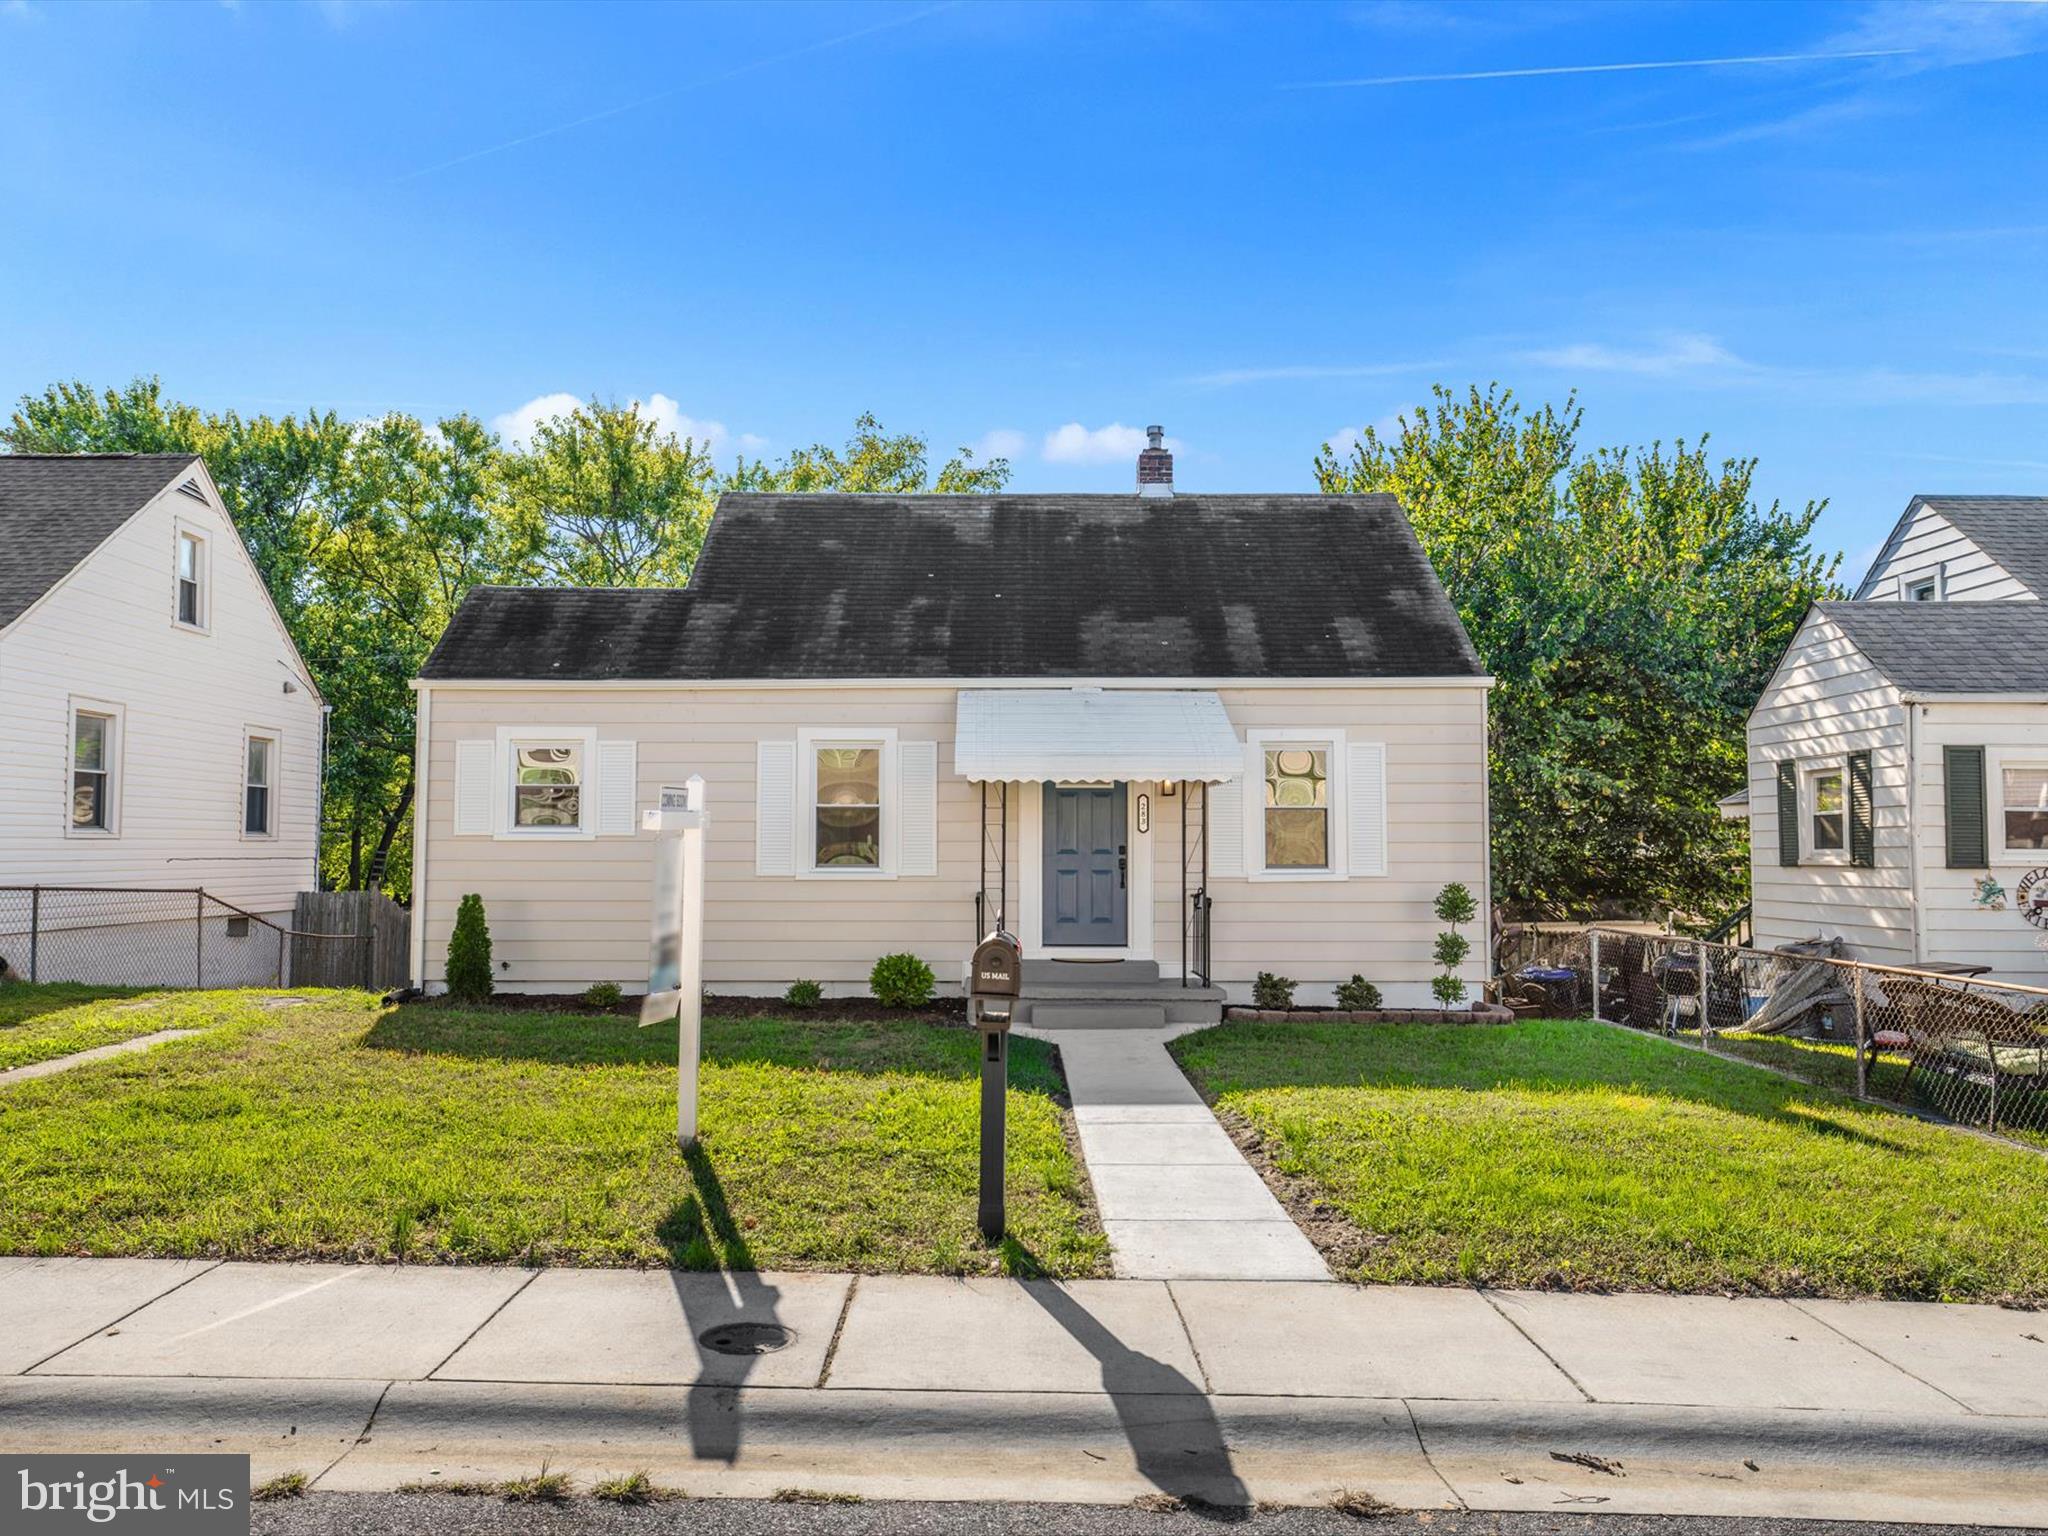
[(338, 1129), (1568, 1153), (41, 1022)]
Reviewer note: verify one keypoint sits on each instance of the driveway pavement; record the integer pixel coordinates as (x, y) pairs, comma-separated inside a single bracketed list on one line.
[(1178, 1200), (911, 1387)]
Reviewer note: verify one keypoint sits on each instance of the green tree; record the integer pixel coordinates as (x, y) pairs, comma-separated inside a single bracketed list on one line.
[(602, 497), (874, 462), (1630, 604)]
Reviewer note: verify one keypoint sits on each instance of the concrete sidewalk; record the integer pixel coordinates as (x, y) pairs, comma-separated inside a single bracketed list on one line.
[(907, 1387), (1177, 1198)]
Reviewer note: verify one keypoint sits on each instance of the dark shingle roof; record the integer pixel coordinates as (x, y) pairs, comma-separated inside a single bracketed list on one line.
[(55, 509), (827, 586), (2013, 530), (1951, 647)]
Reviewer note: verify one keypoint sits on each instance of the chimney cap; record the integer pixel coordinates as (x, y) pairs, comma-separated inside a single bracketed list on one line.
[(1156, 436)]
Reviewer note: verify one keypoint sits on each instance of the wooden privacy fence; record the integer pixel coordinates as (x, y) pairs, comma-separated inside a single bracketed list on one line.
[(379, 960)]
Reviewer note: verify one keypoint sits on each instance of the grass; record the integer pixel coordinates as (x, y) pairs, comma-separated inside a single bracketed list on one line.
[(286, 1485), (38, 1023), (342, 1130), (634, 1488), (1567, 1153), (543, 1487)]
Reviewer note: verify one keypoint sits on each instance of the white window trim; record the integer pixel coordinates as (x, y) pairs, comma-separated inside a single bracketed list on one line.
[(511, 736), (808, 739), (1808, 772), (1140, 917), (1996, 761), (180, 531), (275, 737), (117, 775), (1337, 833), (1937, 574)]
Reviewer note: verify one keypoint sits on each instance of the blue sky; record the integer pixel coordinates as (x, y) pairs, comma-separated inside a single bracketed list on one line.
[(1039, 227)]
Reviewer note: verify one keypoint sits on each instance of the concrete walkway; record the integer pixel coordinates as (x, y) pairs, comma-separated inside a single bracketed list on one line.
[(366, 1378), (1178, 1200), (96, 1053)]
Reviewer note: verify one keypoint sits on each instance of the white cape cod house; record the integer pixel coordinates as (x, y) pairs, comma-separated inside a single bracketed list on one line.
[(1195, 737), (1898, 757)]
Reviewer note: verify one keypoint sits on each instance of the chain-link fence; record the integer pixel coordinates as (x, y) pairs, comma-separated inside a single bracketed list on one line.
[(1967, 1049), (159, 938)]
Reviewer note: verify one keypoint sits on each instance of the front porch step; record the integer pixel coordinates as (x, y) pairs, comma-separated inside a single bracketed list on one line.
[(1088, 975), (1097, 1016)]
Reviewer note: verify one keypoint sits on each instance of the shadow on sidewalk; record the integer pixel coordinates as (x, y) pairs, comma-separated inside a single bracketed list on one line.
[(713, 1406), (1168, 1420)]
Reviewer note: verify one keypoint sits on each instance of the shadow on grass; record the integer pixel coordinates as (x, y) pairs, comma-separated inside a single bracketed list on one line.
[(21, 1001), (880, 1048), (698, 1234)]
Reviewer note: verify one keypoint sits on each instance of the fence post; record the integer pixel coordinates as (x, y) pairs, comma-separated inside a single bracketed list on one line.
[(1593, 965), (198, 940), (1862, 1035), (1706, 1034), (35, 929)]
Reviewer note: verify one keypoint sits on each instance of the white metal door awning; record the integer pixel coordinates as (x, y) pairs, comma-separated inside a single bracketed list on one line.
[(1093, 735)]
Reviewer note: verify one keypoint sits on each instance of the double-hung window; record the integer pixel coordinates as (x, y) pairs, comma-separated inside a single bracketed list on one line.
[(1297, 821), (259, 787), (547, 786), (1827, 811), (846, 805), (92, 771), (2023, 802), (191, 586)]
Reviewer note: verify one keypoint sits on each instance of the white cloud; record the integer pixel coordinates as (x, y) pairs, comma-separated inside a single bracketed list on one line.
[(1671, 354), (516, 426), (1076, 444), (1225, 377), (1942, 33), (1002, 443), (1386, 429)]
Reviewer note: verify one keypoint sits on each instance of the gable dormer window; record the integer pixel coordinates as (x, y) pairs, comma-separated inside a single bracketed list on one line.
[(191, 580), (1924, 586)]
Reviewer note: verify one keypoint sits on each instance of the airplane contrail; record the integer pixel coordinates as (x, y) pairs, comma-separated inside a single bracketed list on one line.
[(1598, 69)]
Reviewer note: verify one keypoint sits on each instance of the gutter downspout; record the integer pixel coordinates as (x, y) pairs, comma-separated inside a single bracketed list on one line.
[(320, 796), (1913, 828), (422, 733), (1486, 832)]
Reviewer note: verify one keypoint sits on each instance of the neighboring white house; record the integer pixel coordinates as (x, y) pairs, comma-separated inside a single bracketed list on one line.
[(1098, 720), (1898, 782), (1963, 549), (157, 727)]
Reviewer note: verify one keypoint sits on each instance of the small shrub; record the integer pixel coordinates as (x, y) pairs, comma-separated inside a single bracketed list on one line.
[(901, 981), (1358, 994), (602, 994), (1270, 991), (1454, 905), (469, 953), (804, 994)]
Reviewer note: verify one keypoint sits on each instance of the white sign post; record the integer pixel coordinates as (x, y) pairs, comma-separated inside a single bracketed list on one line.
[(675, 980)]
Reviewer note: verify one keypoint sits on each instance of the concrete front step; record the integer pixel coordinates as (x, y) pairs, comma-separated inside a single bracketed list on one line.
[(1111, 994), (1045, 1015), (1089, 974)]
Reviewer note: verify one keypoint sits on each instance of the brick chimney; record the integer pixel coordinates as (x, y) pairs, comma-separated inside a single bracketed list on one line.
[(1155, 465)]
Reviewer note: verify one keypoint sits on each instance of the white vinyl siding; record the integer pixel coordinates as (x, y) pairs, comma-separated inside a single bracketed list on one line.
[(1930, 547), (570, 915), (106, 637)]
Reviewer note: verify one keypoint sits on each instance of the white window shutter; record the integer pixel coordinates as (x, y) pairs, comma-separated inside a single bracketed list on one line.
[(1226, 828), (917, 807), (618, 787), (775, 808), (1365, 800), (475, 774)]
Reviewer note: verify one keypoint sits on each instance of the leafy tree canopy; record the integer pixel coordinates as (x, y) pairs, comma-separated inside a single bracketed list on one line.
[(1630, 605)]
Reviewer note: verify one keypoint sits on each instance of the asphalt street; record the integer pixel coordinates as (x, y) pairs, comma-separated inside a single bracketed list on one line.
[(333, 1514)]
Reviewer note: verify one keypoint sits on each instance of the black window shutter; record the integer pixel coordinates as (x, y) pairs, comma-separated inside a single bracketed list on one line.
[(1862, 830), (1963, 770), (1788, 814)]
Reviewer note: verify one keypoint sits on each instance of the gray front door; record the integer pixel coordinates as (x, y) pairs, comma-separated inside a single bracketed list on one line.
[(1086, 866)]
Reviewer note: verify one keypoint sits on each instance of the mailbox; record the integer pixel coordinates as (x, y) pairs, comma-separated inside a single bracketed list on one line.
[(994, 977)]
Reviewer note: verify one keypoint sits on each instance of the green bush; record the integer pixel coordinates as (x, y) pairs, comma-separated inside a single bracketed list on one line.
[(1357, 994), (901, 981), (1454, 905), (469, 953), (804, 994), (1270, 991), (602, 994)]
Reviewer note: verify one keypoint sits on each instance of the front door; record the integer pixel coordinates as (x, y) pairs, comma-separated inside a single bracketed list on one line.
[(1087, 866)]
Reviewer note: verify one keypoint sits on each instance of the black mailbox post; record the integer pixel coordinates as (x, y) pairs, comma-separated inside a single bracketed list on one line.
[(994, 978)]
